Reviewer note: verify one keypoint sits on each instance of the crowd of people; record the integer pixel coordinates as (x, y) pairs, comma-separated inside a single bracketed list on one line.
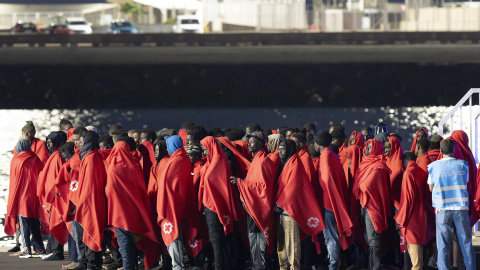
[(291, 198)]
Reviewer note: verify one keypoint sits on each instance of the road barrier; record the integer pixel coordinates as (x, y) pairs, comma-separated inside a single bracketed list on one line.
[(235, 39)]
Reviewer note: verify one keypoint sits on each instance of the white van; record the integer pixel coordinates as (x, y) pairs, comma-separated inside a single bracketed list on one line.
[(188, 24), (79, 26)]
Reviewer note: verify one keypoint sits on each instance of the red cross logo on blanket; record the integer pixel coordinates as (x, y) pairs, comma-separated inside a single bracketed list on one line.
[(313, 222), (167, 228), (227, 219), (74, 185)]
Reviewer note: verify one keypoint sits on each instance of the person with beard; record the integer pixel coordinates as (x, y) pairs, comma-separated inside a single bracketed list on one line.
[(217, 197), (23, 207), (37, 146), (256, 192), (302, 150), (333, 198), (91, 210), (372, 188), (412, 212), (310, 130), (293, 212), (176, 202), (147, 137), (46, 189), (129, 212)]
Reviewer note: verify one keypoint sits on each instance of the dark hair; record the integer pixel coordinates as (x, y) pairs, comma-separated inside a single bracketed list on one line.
[(216, 132), (79, 131), (64, 122), (129, 140), (283, 131), (151, 134), (187, 125), (447, 146), (368, 129), (396, 136), (424, 144), (68, 147), (312, 152), (267, 132), (300, 137), (203, 131), (107, 140), (334, 148), (254, 127), (309, 127), (115, 129), (196, 134), (409, 156)]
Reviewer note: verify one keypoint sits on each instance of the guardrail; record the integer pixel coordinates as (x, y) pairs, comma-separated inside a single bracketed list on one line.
[(234, 39)]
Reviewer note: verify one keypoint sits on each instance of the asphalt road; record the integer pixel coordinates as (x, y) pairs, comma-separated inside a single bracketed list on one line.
[(439, 54)]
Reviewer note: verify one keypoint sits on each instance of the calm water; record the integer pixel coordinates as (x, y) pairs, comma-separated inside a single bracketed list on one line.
[(402, 120)]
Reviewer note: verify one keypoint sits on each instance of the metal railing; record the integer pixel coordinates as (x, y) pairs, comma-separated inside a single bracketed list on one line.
[(471, 127)]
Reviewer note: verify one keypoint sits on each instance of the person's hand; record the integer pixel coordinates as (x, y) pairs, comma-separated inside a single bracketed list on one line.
[(233, 180)]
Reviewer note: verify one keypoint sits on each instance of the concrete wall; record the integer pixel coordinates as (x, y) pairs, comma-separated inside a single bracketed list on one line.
[(442, 19)]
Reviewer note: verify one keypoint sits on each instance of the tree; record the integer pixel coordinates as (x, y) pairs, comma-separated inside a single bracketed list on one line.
[(131, 9)]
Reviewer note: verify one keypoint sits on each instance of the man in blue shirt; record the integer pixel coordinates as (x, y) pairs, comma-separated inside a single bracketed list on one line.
[(448, 179)]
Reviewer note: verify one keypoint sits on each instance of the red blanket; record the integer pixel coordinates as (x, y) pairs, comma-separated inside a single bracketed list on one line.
[(176, 204), (91, 211), (412, 213), (39, 148), (304, 209), (148, 159), (22, 196), (256, 192), (216, 191), (395, 164), (414, 144), (373, 190), (334, 194), (128, 205), (307, 162)]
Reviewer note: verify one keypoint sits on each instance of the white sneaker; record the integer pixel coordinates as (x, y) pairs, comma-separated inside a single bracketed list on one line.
[(46, 256), (25, 255)]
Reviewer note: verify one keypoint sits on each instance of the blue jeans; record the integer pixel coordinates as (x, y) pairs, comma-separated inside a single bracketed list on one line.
[(75, 236), (31, 227), (126, 243), (331, 239), (445, 221)]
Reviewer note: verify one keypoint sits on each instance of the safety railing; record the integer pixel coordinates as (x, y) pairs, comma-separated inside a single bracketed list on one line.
[(471, 121)]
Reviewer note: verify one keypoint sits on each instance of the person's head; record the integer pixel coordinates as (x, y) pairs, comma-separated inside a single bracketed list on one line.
[(422, 146), (421, 134), (310, 130), (148, 134), (205, 151), (396, 136), (105, 142), (160, 149), (374, 148), (88, 142), (382, 136), (290, 131), (447, 147), (91, 128), (282, 131), (174, 143), (388, 148), (351, 139), (435, 142), (367, 132), (338, 135), (187, 125), (312, 151), (216, 132), (252, 128), (256, 141), (234, 134), (67, 150), (300, 140), (28, 131), (273, 142), (65, 125), (22, 145), (194, 152), (135, 134), (334, 148), (407, 157), (55, 140), (76, 135), (322, 140), (381, 127), (267, 132), (129, 140), (286, 149), (193, 137), (114, 130)]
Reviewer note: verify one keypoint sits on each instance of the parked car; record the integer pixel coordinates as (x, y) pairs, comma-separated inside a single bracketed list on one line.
[(59, 29), (188, 24), (79, 26), (24, 27), (122, 27)]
